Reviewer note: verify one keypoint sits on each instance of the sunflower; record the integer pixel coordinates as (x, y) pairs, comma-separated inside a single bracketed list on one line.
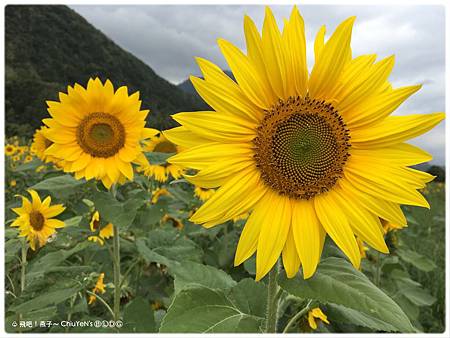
[(314, 314), (10, 149), (98, 288), (204, 194), (156, 194), (40, 145), (307, 154), (104, 233), (36, 220), (161, 172), (97, 131)]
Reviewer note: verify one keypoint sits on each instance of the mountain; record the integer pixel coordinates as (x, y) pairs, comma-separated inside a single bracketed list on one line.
[(48, 47)]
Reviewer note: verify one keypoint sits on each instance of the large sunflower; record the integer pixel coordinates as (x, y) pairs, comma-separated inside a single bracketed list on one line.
[(97, 131), (307, 154), (36, 221)]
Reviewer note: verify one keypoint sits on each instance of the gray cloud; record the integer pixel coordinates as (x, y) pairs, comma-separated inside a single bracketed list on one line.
[(168, 38)]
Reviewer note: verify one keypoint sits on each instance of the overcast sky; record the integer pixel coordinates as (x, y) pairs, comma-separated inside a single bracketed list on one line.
[(168, 38)]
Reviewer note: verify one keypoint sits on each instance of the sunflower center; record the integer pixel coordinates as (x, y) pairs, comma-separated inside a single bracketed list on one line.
[(301, 147), (165, 147), (101, 135), (37, 220)]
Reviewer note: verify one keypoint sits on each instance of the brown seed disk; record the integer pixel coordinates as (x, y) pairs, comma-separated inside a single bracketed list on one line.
[(101, 135), (37, 220), (301, 147)]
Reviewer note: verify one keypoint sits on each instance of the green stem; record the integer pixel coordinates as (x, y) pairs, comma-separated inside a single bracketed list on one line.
[(378, 270), (102, 301), (116, 262), (272, 301), (23, 265), (300, 314)]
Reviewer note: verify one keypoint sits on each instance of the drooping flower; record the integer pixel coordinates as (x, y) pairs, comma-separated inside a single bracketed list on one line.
[(314, 314), (99, 288), (204, 194), (104, 232), (35, 221), (306, 154), (160, 171), (158, 193), (97, 131)]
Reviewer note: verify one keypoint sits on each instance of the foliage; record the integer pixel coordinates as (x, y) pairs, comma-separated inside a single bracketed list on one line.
[(179, 277)]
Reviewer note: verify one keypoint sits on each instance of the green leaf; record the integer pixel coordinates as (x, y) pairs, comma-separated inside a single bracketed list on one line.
[(43, 300), (64, 182), (336, 281), (138, 317), (32, 165), (158, 158), (50, 261), (187, 273), (73, 222), (115, 212), (205, 310), (418, 296), (417, 260), (342, 314)]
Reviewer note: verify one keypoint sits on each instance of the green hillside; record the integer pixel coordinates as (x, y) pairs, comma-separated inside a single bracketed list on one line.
[(49, 47)]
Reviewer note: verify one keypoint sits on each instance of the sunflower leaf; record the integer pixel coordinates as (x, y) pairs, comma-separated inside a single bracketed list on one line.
[(156, 158), (336, 281), (64, 182), (201, 309)]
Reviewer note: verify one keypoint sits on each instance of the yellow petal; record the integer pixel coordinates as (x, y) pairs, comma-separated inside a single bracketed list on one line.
[(394, 129), (53, 211), (308, 234), (335, 223), (219, 172), (218, 127), (387, 210), (319, 43), (295, 48), (246, 75), (55, 223), (255, 55), (379, 106), (224, 94), (365, 225), (331, 61), (239, 194), (36, 200), (184, 137), (202, 156), (291, 261), (248, 241), (272, 49), (274, 231)]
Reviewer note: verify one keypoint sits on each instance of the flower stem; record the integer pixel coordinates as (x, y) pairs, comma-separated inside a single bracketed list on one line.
[(272, 301), (23, 265), (300, 314), (116, 262)]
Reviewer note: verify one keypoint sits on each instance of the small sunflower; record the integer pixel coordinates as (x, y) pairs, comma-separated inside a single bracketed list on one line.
[(176, 223), (12, 183), (104, 232), (161, 172), (306, 154), (36, 220), (98, 288), (97, 131), (10, 149), (40, 145), (314, 314), (158, 193), (203, 194)]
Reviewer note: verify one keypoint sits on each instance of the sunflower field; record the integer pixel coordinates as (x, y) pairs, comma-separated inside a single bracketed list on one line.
[(291, 207)]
